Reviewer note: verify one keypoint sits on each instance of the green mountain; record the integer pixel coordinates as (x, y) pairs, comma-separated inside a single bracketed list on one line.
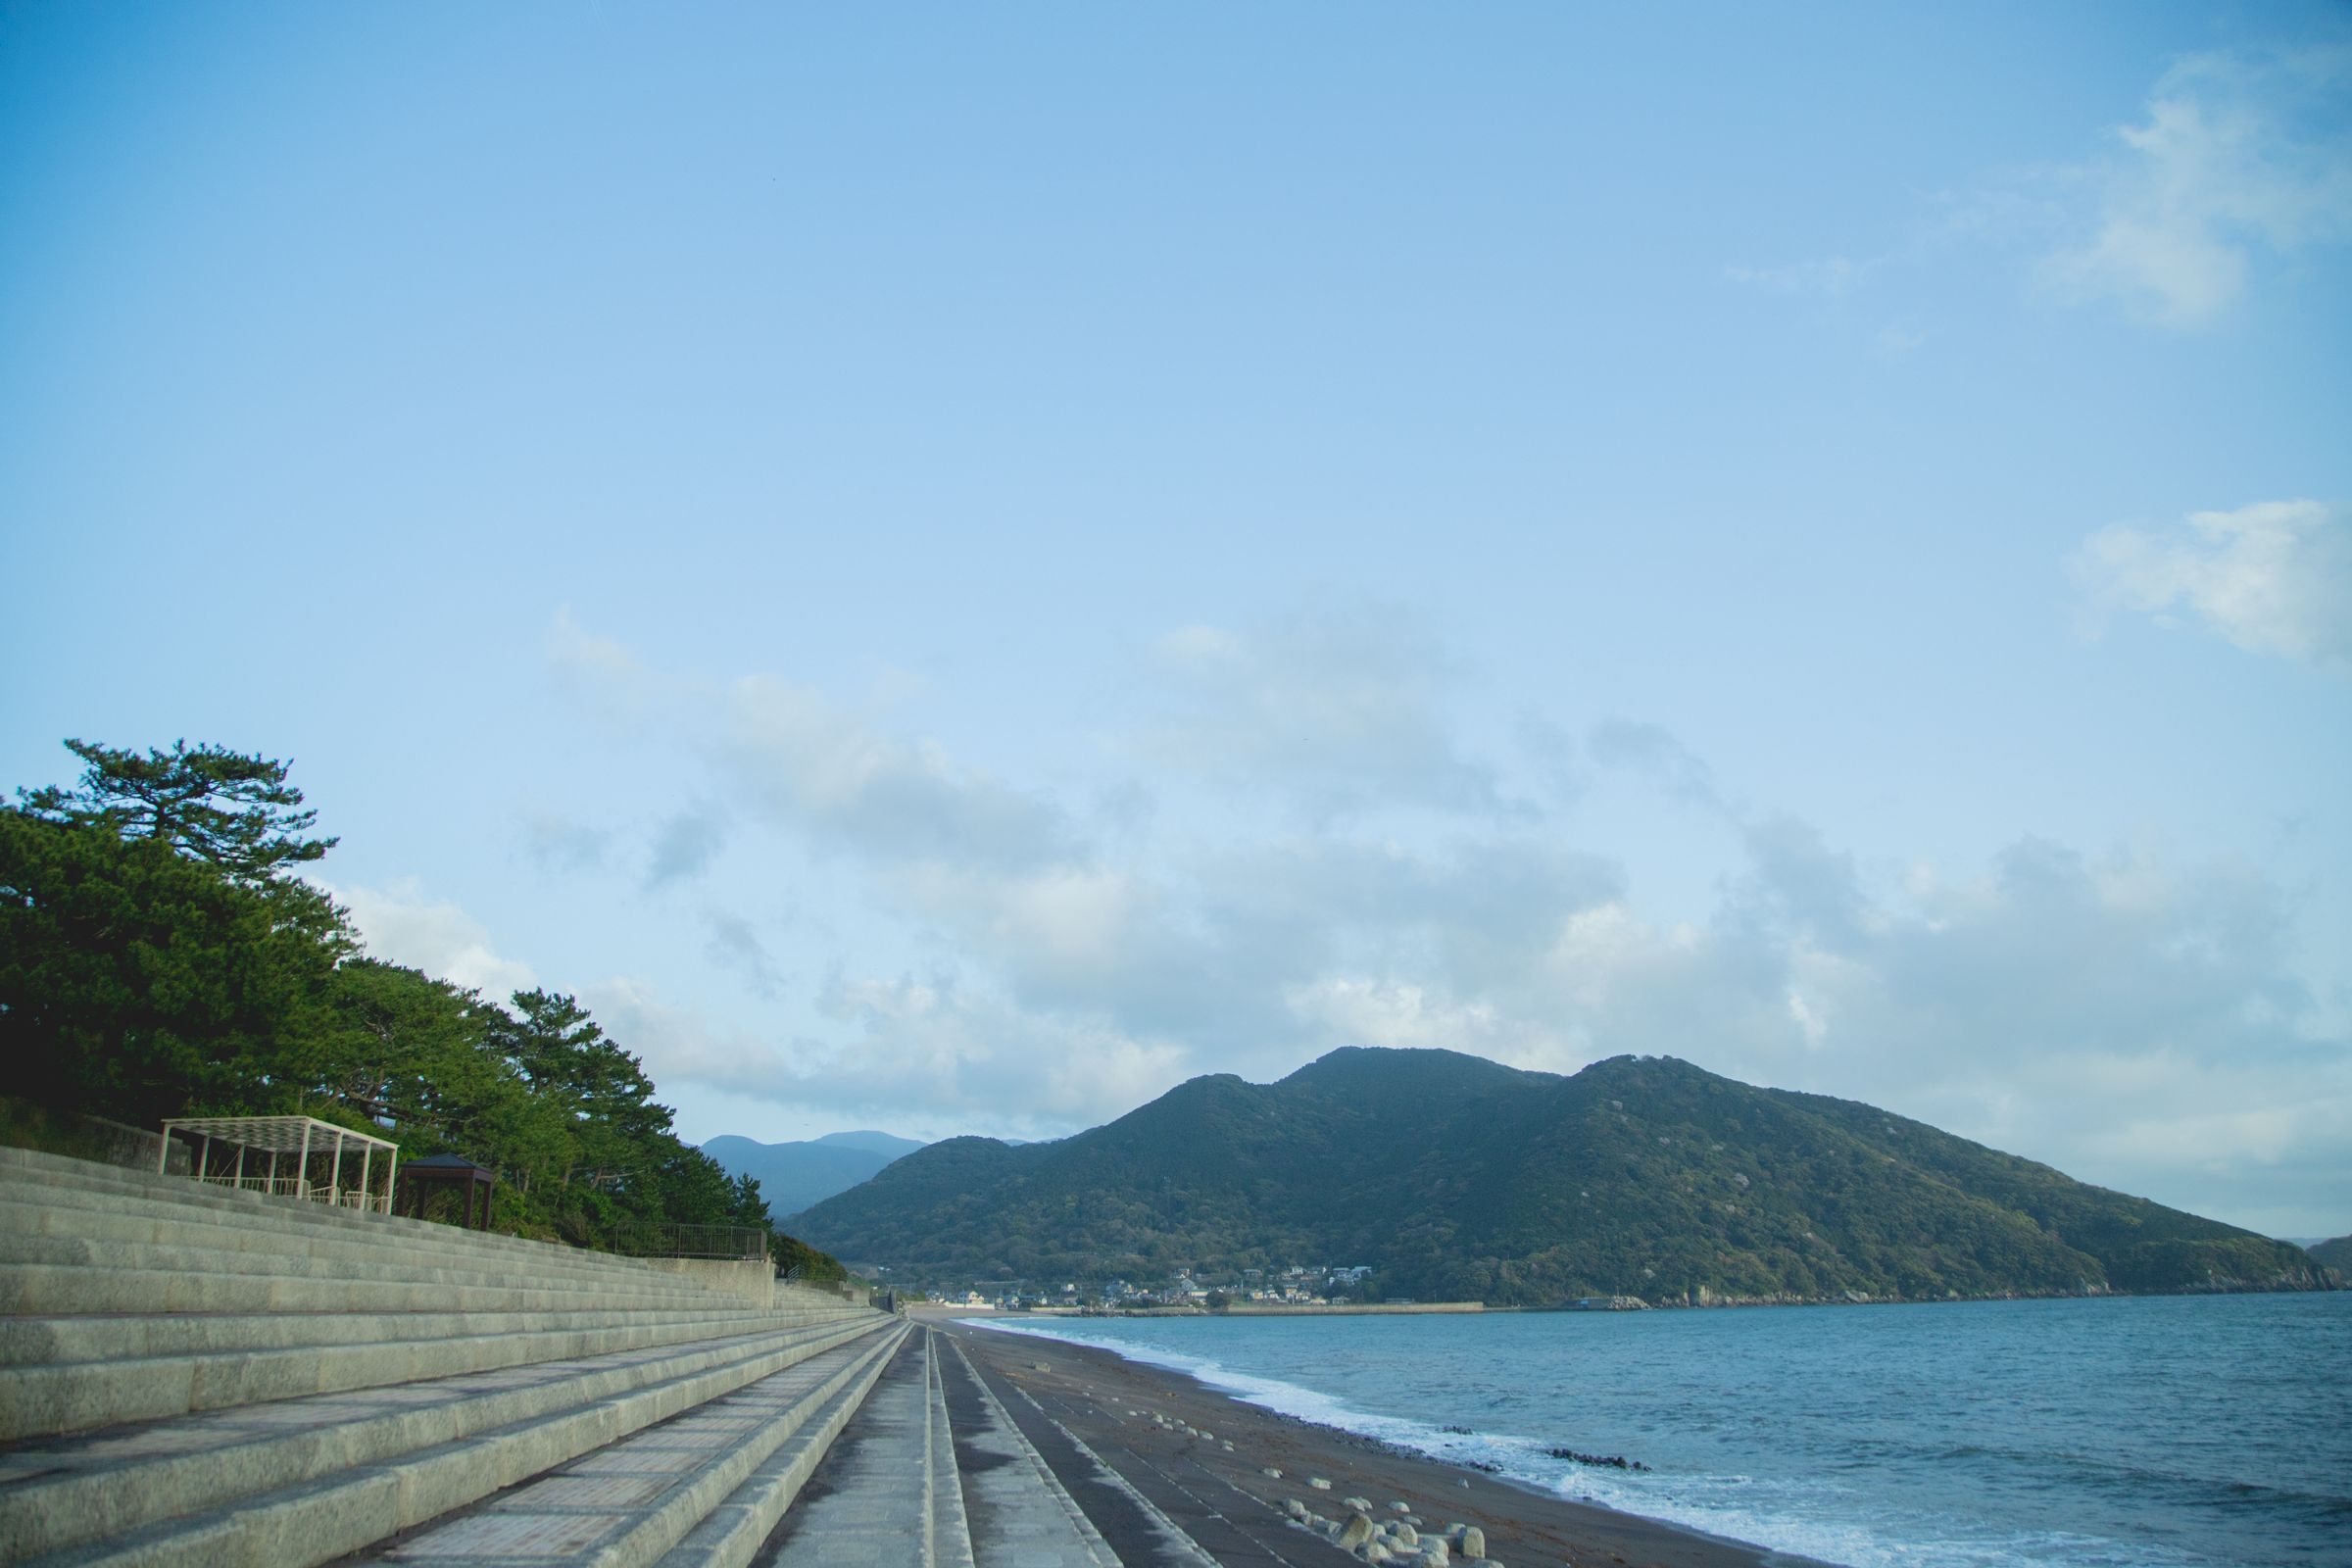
[(2335, 1254), (791, 1176), (1455, 1178)]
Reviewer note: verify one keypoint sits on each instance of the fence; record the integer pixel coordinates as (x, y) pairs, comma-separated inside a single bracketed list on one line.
[(659, 1238)]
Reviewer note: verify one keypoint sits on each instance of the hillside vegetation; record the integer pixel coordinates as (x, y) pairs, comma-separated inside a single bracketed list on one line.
[(162, 955), (1455, 1178)]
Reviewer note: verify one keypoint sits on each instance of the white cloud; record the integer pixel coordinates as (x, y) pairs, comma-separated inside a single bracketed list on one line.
[(688, 842), (2274, 577), (2236, 166), (1651, 750), (1062, 980), (603, 670), (557, 843), (400, 925), (917, 1051), (821, 768), (1343, 708), (2135, 1022), (2232, 161), (1897, 341), (735, 944)]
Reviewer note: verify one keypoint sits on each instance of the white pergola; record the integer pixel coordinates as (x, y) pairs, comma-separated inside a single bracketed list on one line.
[(301, 1150)]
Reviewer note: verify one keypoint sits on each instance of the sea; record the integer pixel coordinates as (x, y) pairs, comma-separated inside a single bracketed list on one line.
[(2157, 1432)]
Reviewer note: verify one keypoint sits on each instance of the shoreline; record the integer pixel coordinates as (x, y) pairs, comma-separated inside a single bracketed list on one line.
[(1092, 1389)]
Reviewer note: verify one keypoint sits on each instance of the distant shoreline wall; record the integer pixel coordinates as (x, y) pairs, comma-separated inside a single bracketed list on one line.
[(1348, 1309), (1243, 1309)]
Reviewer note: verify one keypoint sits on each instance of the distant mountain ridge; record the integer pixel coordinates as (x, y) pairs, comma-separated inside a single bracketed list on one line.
[(1457, 1178), (794, 1175)]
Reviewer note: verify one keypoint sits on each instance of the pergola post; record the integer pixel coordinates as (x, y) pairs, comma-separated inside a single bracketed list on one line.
[(302, 1169), (335, 1172)]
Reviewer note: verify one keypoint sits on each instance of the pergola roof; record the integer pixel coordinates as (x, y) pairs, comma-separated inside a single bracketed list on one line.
[(456, 1165), (282, 1135)]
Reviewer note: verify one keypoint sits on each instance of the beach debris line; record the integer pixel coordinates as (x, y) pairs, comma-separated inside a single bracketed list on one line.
[(1610, 1461)]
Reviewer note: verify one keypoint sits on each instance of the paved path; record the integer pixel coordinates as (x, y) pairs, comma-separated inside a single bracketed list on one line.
[(1166, 1512), (886, 1496)]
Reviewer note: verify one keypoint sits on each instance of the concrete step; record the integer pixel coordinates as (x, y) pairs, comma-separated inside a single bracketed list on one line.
[(289, 1225), (1020, 1513), (706, 1474), (159, 1212), (59, 1396), (302, 1481), (33, 1289), (146, 1219), (26, 1342), (887, 1491), (72, 1273), (32, 1167), (55, 1175)]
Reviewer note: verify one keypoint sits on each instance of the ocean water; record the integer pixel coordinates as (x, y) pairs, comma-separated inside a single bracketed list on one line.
[(2173, 1431)]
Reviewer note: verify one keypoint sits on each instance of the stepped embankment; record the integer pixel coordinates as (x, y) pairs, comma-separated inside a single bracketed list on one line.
[(193, 1374)]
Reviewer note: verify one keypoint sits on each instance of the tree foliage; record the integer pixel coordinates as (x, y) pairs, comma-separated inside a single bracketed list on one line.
[(160, 957), (231, 809)]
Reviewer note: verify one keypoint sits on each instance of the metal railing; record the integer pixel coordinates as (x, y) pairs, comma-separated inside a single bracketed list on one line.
[(366, 1202), (661, 1239)]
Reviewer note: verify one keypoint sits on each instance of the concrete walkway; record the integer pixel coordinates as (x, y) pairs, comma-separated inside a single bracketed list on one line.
[(934, 1472), (888, 1495), (1021, 1516)]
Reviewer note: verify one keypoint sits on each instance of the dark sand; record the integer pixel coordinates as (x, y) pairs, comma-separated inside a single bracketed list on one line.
[(1090, 1392)]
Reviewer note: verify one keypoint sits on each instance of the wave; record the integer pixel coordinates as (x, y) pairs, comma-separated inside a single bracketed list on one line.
[(1815, 1517)]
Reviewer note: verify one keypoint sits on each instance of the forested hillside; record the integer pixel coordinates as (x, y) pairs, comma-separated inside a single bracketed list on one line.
[(1452, 1177), (160, 956)]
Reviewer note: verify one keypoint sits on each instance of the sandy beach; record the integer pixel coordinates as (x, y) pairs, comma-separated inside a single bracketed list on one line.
[(1225, 1500)]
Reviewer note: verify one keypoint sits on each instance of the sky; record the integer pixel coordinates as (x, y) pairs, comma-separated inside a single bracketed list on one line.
[(950, 568)]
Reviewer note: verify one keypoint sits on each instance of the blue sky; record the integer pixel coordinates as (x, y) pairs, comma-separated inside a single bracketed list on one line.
[(952, 570)]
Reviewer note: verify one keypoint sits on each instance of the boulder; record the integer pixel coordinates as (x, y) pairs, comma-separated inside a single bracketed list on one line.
[(1269, 1472), (1360, 1504), (1294, 1508), (1355, 1532), (1406, 1535), (1319, 1483), (1473, 1542)]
